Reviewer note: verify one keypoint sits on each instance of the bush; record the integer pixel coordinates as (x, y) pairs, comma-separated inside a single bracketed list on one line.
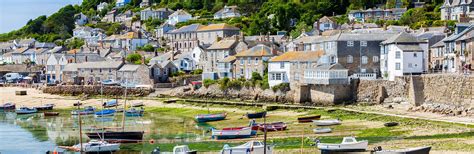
[(248, 84), (208, 82), (234, 84), (178, 73), (283, 87), (197, 72), (223, 83), (256, 76)]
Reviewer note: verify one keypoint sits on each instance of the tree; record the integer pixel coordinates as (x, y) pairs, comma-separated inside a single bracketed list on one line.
[(75, 43), (147, 48), (134, 58), (300, 28)]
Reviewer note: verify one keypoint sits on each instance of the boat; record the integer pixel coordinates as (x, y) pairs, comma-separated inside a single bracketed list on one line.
[(117, 137), (95, 146), (110, 82), (111, 103), (418, 150), (322, 130), (232, 134), (87, 110), (51, 113), (252, 125), (249, 147), (139, 104), (179, 149), (276, 126), (256, 115), (45, 107), (307, 119), (77, 104), (327, 122), (134, 112), (7, 106), (348, 144), (25, 110), (106, 112), (390, 124), (210, 117)]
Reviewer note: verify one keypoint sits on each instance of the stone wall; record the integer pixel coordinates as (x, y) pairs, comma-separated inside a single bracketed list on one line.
[(75, 90), (330, 94), (453, 90), (371, 91), (185, 80)]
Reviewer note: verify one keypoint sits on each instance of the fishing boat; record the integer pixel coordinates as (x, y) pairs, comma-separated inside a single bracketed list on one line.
[(249, 147), (45, 107), (134, 112), (418, 150), (106, 112), (322, 130), (118, 136), (390, 124), (26, 110), (307, 119), (111, 103), (51, 113), (256, 115), (276, 126), (139, 104), (7, 106), (327, 122), (252, 125), (210, 117), (348, 144), (232, 134), (95, 146), (179, 149), (87, 110)]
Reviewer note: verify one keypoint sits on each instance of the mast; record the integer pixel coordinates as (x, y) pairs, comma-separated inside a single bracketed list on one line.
[(124, 107), (80, 130), (264, 134)]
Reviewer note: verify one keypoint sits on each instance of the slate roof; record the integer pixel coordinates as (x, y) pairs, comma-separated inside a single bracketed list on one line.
[(326, 19), (44, 45), (223, 44), (180, 12), (336, 66), (129, 68), (294, 56), (186, 29), (228, 59), (409, 47), (71, 67), (402, 37), (221, 26), (439, 44), (27, 41), (256, 51), (6, 45), (100, 64)]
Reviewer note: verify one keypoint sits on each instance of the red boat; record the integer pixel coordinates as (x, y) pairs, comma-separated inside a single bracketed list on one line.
[(276, 126)]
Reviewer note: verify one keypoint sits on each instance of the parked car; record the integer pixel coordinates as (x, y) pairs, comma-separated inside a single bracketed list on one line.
[(13, 77)]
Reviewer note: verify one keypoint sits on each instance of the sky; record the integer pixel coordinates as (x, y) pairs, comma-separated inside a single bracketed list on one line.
[(15, 13)]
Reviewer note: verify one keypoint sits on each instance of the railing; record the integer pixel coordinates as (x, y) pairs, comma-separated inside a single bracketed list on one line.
[(364, 76)]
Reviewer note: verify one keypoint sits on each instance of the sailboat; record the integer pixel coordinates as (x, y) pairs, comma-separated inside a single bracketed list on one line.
[(119, 136)]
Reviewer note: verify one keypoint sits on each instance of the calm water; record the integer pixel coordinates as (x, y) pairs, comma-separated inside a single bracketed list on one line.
[(15, 13), (38, 134)]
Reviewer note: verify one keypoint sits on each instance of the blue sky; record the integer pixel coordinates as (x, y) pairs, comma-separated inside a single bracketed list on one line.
[(15, 13)]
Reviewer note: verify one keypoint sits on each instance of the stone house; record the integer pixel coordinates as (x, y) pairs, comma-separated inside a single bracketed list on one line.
[(458, 10), (227, 12), (94, 72), (179, 16), (110, 16), (212, 33), (183, 39), (253, 60), (54, 67), (216, 53), (325, 23), (160, 72), (288, 67), (25, 43), (150, 13), (163, 29), (227, 67), (70, 74), (436, 57), (458, 49), (16, 56), (135, 74), (376, 14)]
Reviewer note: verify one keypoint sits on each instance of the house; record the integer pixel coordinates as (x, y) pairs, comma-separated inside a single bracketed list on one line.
[(196, 54), (54, 67), (110, 16), (186, 62), (436, 58), (16, 56), (121, 3), (5, 48), (37, 56), (150, 13), (325, 23), (376, 14), (458, 10), (401, 55), (94, 72), (183, 39), (28, 43), (227, 12), (226, 67), (144, 3), (216, 53), (90, 35), (160, 72), (128, 41), (44, 45), (288, 67), (23, 69), (211, 33), (80, 19), (125, 17), (253, 60), (83, 55), (135, 74), (163, 29), (179, 16), (457, 48), (102, 6)]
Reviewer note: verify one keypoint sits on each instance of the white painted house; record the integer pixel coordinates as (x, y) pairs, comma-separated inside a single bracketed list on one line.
[(102, 6), (179, 16), (401, 55), (288, 67), (54, 67)]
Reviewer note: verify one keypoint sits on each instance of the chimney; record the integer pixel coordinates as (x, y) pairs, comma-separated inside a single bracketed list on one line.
[(143, 60), (86, 58), (242, 36), (172, 55), (82, 49)]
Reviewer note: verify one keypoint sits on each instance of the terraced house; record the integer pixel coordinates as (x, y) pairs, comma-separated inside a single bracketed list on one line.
[(212, 33), (458, 10), (252, 60), (183, 39)]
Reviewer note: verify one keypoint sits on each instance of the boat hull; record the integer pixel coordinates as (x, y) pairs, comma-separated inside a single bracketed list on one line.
[(256, 115), (118, 137), (210, 117), (326, 122), (232, 134), (277, 126), (420, 150), (352, 147), (51, 113), (308, 118), (6, 107), (43, 108), (322, 130)]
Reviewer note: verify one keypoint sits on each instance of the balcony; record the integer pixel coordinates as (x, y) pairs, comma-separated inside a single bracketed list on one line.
[(325, 77), (364, 76)]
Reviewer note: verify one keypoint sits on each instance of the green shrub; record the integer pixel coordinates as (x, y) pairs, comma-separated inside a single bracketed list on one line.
[(234, 84), (256, 76), (197, 71), (223, 83), (208, 82), (283, 87), (248, 84)]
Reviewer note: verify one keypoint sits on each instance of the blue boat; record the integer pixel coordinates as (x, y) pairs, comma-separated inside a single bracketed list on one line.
[(110, 103), (25, 110), (134, 112), (210, 117), (87, 110), (256, 115), (103, 113)]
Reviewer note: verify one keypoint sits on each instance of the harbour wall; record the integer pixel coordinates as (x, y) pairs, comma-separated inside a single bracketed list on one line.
[(90, 90)]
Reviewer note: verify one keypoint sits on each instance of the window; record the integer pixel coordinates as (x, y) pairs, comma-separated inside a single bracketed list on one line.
[(282, 65), (414, 54), (350, 59), (100, 70), (363, 43), (110, 70), (272, 76), (241, 61), (92, 70), (398, 55), (410, 65), (256, 61), (241, 71), (278, 76), (397, 66), (364, 60), (375, 59), (350, 43)]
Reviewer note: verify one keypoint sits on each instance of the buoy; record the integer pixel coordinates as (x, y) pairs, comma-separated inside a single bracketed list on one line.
[(152, 141)]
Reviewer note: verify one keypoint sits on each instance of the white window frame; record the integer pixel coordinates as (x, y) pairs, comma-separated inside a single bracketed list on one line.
[(398, 66), (350, 59), (363, 43), (375, 59), (350, 43), (364, 60)]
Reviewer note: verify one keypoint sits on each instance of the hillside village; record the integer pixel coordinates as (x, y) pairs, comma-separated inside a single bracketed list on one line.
[(330, 53)]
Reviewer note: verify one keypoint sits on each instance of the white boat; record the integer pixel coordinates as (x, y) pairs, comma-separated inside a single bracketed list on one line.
[(348, 144), (98, 146), (179, 149), (322, 130), (418, 150), (327, 122), (231, 134), (25, 110), (249, 147)]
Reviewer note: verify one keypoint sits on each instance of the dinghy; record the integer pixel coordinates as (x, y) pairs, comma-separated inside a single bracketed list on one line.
[(25, 110), (418, 150), (139, 104), (103, 113), (134, 112), (87, 110), (276, 126), (256, 115), (7, 106), (51, 113), (249, 147), (327, 122), (97, 146), (210, 117), (348, 144), (111, 103), (322, 130), (45, 107), (231, 134), (306, 119)]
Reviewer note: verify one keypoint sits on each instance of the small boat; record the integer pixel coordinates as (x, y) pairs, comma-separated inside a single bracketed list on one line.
[(256, 115), (87, 110), (103, 113), (276, 126), (390, 124), (210, 117), (45, 107), (7, 106), (134, 112), (139, 104), (322, 130), (97, 146), (307, 119), (119, 110), (179, 149), (249, 147), (111, 103), (348, 144), (51, 113), (110, 82), (118, 136), (252, 125), (327, 122), (232, 134), (25, 110), (418, 150), (77, 104)]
